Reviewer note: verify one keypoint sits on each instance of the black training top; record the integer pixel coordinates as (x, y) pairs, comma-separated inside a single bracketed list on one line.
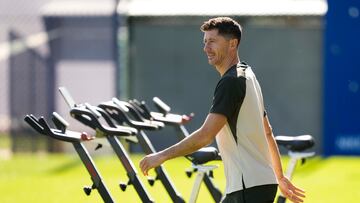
[(229, 95), (242, 141)]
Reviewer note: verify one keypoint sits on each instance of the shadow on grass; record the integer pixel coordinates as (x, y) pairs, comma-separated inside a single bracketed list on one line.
[(311, 165), (66, 166)]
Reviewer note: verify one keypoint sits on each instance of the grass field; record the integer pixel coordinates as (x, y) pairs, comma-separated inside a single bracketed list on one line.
[(60, 178)]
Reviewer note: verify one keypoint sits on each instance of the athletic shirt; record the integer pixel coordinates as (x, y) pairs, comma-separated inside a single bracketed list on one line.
[(242, 141)]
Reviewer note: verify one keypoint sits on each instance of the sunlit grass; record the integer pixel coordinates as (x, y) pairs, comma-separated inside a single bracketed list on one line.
[(60, 178)]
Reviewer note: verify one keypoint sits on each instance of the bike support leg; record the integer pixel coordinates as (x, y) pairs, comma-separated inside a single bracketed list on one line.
[(95, 176), (201, 171)]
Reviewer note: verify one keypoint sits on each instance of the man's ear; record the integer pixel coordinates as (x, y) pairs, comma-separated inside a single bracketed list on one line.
[(233, 43)]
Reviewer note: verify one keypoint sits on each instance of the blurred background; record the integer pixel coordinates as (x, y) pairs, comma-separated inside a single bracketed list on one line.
[(305, 54)]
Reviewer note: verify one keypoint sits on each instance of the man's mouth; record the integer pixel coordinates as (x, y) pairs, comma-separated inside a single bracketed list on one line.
[(210, 56)]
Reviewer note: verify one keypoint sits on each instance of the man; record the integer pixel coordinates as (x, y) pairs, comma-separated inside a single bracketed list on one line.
[(238, 121)]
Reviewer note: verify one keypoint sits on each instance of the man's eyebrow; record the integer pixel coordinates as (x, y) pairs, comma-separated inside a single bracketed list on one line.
[(208, 39)]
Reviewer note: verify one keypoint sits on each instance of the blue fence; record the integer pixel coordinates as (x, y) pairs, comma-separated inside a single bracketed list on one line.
[(342, 78)]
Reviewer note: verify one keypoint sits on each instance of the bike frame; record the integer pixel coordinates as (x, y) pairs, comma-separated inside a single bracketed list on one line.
[(114, 143), (41, 126), (146, 145)]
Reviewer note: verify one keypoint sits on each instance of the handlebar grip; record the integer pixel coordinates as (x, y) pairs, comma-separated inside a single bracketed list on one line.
[(163, 108), (92, 110), (59, 122), (67, 97), (45, 125), (120, 104), (146, 110), (31, 120), (142, 108)]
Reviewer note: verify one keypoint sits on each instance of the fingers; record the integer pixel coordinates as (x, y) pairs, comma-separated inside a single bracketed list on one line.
[(298, 189), (144, 166), (291, 192), (295, 195), (148, 162), (299, 194), (295, 199)]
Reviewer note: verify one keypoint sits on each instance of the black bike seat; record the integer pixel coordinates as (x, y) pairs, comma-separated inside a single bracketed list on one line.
[(295, 143), (204, 155)]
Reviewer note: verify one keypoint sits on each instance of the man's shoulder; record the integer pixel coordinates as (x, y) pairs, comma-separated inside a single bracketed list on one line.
[(236, 75), (230, 79), (232, 82)]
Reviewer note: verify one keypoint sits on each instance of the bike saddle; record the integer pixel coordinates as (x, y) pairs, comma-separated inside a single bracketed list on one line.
[(204, 155), (297, 143), (121, 113), (89, 115)]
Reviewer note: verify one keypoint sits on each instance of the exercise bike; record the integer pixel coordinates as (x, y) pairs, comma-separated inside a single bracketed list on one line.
[(119, 111), (76, 138), (90, 116), (133, 115)]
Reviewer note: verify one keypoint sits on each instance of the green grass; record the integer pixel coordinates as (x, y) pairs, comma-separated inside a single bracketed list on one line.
[(59, 178), (4, 140)]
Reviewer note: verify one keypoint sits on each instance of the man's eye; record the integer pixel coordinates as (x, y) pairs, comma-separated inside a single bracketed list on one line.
[(208, 41)]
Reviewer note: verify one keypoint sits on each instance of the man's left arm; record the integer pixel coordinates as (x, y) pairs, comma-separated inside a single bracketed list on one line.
[(287, 188), (274, 150)]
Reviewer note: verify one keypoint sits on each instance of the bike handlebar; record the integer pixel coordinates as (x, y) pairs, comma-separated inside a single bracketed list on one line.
[(42, 127), (123, 114), (162, 107), (91, 119), (163, 115)]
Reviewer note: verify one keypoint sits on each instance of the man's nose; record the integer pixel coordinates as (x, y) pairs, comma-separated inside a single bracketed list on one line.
[(206, 47)]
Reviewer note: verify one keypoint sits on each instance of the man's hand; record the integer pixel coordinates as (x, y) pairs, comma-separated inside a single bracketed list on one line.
[(150, 161), (291, 192)]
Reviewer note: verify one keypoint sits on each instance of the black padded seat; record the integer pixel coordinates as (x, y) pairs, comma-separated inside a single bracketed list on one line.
[(204, 155), (295, 143)]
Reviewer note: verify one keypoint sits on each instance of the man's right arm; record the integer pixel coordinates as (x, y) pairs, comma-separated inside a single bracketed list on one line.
[(198, 139)]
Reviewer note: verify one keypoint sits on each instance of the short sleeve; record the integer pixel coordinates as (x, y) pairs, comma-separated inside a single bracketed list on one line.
[(229, 94)]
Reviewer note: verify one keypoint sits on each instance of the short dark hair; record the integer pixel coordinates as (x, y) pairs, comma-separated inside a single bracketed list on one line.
[(226, 27)]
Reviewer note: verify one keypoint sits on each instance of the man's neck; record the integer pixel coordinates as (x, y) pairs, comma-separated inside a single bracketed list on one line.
[(227, 64)]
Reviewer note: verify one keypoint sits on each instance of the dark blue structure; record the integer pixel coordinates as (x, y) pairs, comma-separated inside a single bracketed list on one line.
[(342, 78)]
